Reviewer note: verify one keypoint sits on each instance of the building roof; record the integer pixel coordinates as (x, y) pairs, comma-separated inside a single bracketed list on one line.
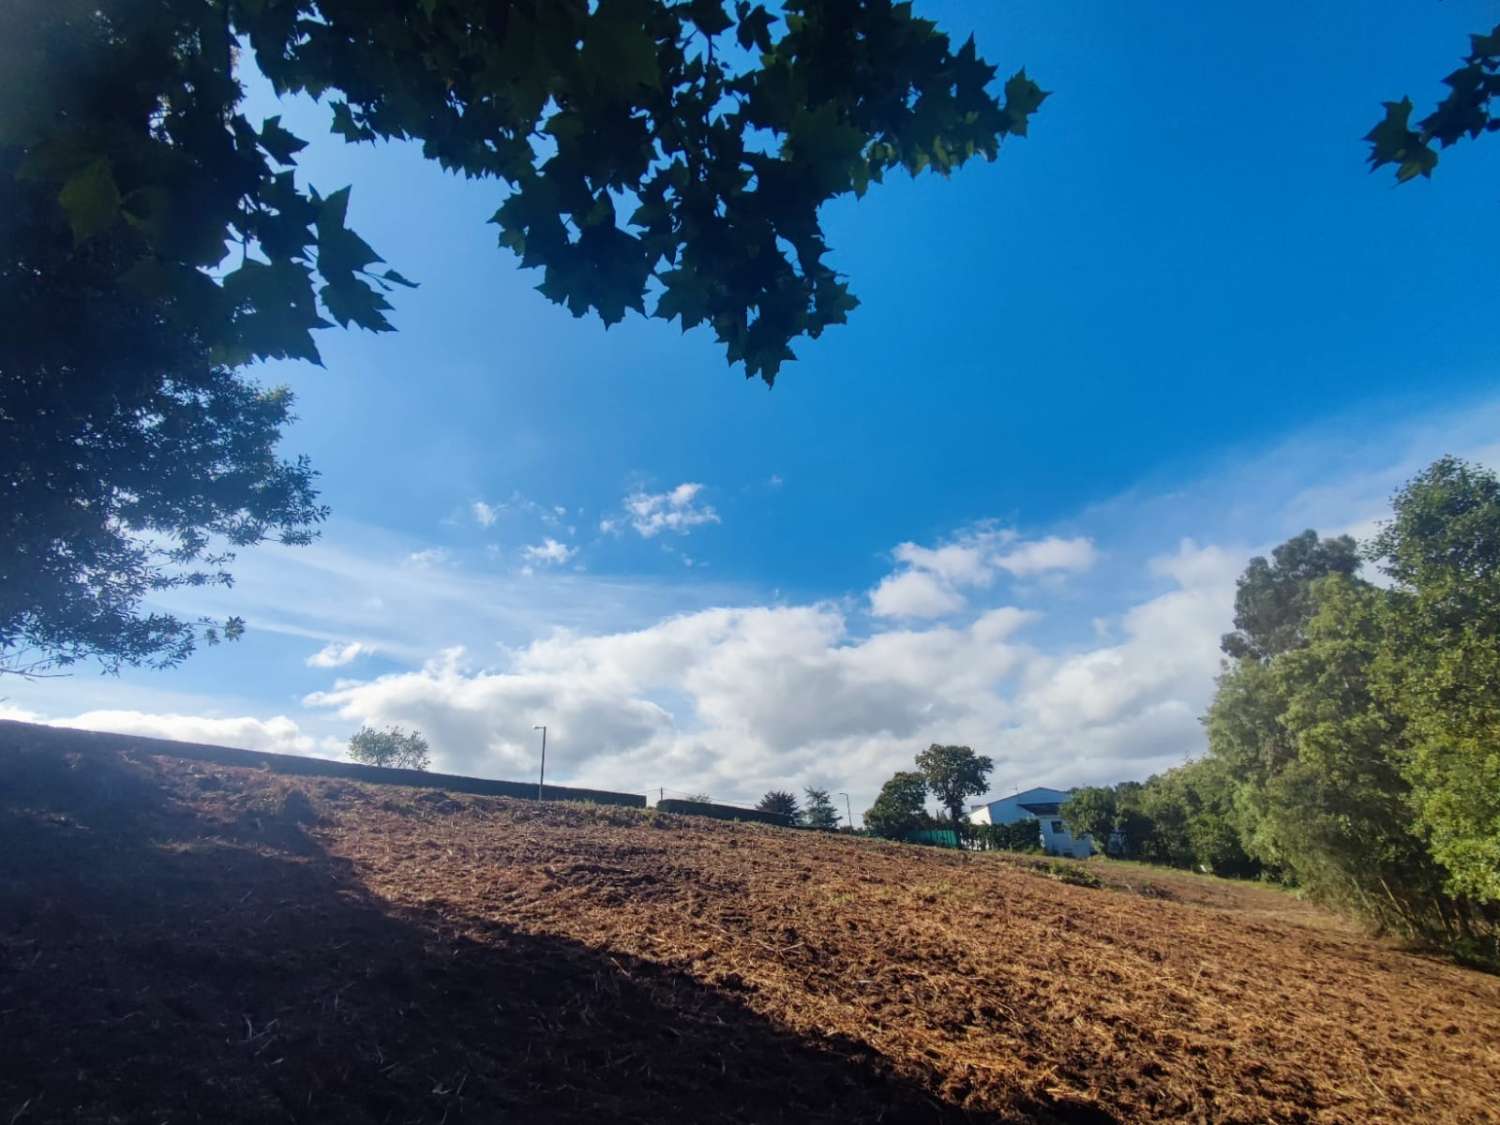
[(1039, 794)]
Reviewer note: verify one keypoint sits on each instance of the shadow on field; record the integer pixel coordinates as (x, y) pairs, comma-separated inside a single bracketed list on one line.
[(161, 961)]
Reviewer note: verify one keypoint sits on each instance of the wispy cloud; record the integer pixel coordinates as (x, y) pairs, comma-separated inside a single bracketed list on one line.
[(486, 513), (651, 513), (335, 655), (549, 552)]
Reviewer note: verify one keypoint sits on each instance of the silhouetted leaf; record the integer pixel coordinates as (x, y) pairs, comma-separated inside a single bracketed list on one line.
[(278, 142), (91, 200)]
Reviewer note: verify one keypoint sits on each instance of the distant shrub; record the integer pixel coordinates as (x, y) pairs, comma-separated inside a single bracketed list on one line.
[(1022, 836), (392, 747), (1074, 873)]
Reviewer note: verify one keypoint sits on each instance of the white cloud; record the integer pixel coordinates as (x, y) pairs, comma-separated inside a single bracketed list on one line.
[(549, 552), (965, 563), (930, 579), (737, 700), (335, 655), (1050, 554), (484, 514), (429, 556), (914, 593), (675, 510)]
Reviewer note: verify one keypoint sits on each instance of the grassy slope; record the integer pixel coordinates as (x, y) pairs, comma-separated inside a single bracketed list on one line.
[(185, 940)]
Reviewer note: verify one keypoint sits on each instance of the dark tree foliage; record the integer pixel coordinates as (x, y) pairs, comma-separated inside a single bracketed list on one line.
[(680, 149), (779, 801), (1273, 600), (1464, 112), (394, 747), (900, 807), (954, 773), (820, 811), (153, 239), (130, 461)]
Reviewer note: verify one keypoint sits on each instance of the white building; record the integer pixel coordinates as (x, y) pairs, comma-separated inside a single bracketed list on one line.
[(1043, 805)]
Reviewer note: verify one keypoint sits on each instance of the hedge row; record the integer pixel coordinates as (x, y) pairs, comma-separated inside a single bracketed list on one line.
[(722, 812)]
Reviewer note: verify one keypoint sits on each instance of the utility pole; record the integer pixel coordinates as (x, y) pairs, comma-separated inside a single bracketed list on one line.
[(542, 777), (849, 809)]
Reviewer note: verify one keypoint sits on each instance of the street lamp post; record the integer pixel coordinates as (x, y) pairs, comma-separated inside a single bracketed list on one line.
[(542, 777), (849, 809)]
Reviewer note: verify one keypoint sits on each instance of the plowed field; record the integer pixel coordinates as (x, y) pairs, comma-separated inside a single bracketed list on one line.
[(189, 941)]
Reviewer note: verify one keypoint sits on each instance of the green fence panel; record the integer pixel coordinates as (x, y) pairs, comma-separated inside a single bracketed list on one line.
[(937, 837)]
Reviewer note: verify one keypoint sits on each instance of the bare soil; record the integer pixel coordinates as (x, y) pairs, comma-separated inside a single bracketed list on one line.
[(187, 941)]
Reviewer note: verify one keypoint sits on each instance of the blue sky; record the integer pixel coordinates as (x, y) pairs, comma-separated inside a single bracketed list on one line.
[(1182, 310)]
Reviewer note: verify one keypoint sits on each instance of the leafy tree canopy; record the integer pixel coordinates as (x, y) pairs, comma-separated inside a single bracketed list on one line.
[(677, 151), (779, 801), (1441, 669), (1273, 599), (393, 747), (666, 156), (1463, 112), (900, 807), (1091, 811), (954, 773), (820, 811)]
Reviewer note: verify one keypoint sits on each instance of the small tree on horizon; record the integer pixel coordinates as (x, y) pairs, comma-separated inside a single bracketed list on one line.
[(820, 811), (392, 747), (779, 801), (954, 773), (900, 807)]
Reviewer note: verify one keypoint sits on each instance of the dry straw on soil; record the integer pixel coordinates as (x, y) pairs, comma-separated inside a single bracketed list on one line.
[(186, 941)]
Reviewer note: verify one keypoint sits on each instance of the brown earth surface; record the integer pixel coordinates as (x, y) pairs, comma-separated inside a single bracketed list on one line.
[(182, 940)]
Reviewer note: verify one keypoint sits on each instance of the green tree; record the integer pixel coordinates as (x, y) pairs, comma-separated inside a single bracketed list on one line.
[(900, 806), (1272, 599), (1318, 750), (154, 240), (1340, 810), (779, 801), (1441, 670), (391, 747), (819, 811), (1091, 811), (954, 773), (1463, 112)]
